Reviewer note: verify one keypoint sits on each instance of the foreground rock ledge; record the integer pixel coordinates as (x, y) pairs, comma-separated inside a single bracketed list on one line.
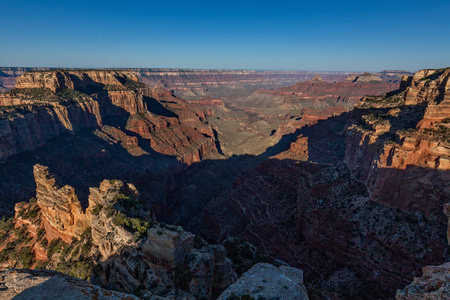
[(44, 284)]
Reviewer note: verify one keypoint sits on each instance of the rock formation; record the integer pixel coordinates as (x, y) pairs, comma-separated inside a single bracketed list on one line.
[(45, 284), (353, 197), (116, 242), (48, 104), (265, 281), (434, 284), (380, 214), (405, 136), (365, 77)]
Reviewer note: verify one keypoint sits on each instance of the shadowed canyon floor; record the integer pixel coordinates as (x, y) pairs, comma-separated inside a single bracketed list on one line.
[(350, 191)]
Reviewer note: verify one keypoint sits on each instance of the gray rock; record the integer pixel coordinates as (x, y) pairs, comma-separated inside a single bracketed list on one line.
[(43, 284), (170, 243), (265, 281), (434, 284)]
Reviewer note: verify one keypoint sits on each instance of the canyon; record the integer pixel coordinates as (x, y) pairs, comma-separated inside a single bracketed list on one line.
[(336, 183)]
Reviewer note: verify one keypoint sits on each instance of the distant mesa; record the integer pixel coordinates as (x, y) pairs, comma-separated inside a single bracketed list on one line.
[(317, 78), (365, 77)]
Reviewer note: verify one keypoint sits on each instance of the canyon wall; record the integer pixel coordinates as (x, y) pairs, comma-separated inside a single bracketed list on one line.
[(402, 137), (116, 242), (366, 206), (48, 104)]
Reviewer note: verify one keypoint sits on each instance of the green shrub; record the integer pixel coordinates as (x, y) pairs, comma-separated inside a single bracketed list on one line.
[(122, 220), (82, 269), (6, 253), (75, 252), (44, 243), (124, 200), (71, 95), (135, 225), (87, 234), (22, 235), (96, 210), (26, 257), (6, 224), (86, 249), (40, 233), (40, 264), (55, 246)]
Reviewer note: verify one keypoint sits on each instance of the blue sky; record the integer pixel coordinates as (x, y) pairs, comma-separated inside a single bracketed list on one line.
[(272, 35)]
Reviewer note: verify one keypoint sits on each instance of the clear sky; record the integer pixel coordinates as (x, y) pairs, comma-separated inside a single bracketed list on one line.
[(277, 35)]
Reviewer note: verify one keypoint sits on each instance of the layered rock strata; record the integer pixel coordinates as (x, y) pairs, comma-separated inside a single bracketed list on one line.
[(115, 242), (48, 104), (405, 136)]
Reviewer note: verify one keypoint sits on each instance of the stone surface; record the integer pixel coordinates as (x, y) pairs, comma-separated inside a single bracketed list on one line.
[(60, 207), (57, 80), (265, 281), (115, 242), (434, 284), (43, 284), (405, 136), (171, 243), (141, 119)]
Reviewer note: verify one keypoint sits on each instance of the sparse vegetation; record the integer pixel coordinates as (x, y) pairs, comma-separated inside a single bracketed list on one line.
[(96, 210), (40, 233), (81, 269), (39, 94), (72, 95), (44, 243), (25, 257), (55, 246), (7, 252), (135, 225), (6, 224)]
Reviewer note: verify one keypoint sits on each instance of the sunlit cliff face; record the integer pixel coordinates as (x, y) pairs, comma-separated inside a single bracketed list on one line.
[(357, 193)]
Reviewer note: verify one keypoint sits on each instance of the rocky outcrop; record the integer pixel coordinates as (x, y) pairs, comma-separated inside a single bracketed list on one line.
[(434, 284), (27, 128), (8, 76), (404, 136), (318, 218), (365, 77), (171, 245), (51, 103), (61, 210), (265, 281), (116, 242), (43, 284), (58, 80)]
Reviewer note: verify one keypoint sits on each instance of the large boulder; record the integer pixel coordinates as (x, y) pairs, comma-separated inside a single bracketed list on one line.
[(265, 281)]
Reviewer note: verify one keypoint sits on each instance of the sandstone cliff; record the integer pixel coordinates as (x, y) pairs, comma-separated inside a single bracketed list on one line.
[(48, 104), (403, 136), (115, 242), (364, 228)]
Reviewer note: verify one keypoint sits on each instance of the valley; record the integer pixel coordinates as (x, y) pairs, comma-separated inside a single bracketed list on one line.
[(342, 175)]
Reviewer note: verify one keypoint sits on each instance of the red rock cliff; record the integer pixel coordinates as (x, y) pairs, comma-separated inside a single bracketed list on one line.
[(403, 137)]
